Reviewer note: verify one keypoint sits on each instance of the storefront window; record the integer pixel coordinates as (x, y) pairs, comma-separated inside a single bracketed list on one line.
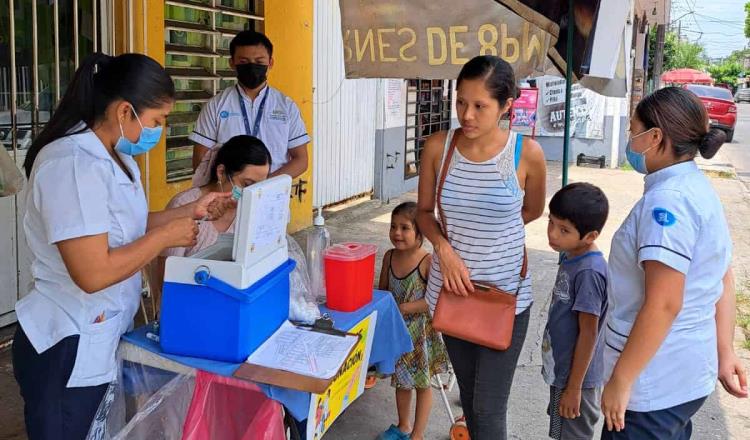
[(42, 68)]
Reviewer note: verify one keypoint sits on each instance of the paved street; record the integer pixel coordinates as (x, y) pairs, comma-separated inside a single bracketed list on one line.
[(738, 152)]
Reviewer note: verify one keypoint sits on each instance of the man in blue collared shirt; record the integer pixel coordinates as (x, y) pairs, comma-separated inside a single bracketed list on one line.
[(254, 108)]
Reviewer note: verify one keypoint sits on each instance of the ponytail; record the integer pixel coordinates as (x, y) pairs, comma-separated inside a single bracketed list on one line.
[(99, 81)]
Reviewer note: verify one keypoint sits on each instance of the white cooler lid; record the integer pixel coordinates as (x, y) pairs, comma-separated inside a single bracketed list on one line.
[(262, 219)]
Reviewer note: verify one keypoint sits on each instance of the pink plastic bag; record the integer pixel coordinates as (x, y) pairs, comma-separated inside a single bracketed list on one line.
[(231, 409)]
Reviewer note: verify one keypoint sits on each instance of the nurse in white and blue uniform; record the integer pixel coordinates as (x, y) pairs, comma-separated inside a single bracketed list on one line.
[(666, 270), (90, 233), (254, 108)]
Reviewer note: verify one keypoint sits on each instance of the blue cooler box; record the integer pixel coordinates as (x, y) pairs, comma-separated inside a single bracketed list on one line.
[(226, 300), (213, 320)]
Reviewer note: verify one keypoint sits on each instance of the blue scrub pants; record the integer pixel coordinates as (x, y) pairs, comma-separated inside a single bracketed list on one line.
[(51, 410), (665, 424)]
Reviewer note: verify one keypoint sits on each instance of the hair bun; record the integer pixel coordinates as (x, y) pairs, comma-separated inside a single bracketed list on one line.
[(711, 142)]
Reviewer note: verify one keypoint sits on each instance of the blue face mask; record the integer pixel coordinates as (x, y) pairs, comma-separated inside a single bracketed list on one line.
[(637, 160), (236, 190), (147, 140)]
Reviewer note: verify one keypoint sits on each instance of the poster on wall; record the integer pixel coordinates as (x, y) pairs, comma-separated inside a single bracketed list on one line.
[(347, 385), (586, 109), (524, 111), (395, 94)]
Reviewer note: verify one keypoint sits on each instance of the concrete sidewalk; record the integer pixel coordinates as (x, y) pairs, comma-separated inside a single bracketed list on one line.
[(723, 417), (718, 166)]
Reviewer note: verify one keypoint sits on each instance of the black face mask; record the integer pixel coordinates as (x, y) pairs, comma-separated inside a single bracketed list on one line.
[(251, 75)]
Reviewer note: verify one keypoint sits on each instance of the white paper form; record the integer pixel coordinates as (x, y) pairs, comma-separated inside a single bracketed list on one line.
[(271, 221), (303, 351)]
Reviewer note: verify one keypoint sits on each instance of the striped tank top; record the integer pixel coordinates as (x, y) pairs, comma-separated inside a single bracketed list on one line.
[(482, 203)]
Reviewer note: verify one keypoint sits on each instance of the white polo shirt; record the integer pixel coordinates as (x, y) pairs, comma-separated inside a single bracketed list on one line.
[(272, 117), (76, 189), (679, 222)]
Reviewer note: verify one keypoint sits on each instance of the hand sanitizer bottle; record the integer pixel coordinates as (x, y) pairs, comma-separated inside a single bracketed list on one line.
[(318, 239)]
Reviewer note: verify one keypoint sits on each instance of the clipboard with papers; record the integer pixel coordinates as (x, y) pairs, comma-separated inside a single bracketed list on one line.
[(304, 358)]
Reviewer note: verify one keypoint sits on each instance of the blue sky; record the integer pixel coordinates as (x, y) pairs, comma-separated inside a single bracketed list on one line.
[(717, 24)]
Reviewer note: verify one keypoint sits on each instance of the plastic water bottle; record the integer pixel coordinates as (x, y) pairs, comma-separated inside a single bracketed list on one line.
[(318, 239)]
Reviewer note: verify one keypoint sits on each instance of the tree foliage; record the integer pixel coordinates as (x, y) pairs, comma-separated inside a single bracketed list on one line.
[(677, 54), (726, 72)]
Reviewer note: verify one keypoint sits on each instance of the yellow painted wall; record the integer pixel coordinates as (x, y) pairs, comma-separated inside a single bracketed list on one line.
[(154, 169), (289, 25), (148, 38)]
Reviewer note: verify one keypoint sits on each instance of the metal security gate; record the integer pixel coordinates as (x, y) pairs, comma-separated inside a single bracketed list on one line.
[(428, 111), (41, 44)]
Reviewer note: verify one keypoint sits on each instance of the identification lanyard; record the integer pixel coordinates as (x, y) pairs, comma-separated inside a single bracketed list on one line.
[(256, 128)]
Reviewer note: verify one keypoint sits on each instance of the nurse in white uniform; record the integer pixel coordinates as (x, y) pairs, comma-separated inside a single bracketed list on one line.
[(90, 232), (251, 107), (670, 283)]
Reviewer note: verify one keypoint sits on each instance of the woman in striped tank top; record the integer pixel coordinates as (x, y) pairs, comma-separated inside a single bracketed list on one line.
[(493, 187)]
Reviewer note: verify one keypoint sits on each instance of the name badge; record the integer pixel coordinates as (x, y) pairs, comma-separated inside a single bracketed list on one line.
[(278, 115)]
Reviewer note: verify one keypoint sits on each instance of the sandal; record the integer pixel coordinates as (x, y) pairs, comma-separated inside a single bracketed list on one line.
[(370, 381), (393, 433)]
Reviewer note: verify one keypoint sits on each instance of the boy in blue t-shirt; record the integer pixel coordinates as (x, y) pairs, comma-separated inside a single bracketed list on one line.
[(572, 362)]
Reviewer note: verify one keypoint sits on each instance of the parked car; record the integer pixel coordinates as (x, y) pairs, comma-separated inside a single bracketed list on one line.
[(719, 102), (725, 86), (742, 95)]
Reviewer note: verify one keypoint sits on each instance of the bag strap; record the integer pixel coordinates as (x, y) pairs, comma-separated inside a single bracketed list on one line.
[(519, 149), (447, 158), (524, 269), (517, 159)]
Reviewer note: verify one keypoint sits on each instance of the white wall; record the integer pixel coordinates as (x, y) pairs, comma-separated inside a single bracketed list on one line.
[(344, 116)]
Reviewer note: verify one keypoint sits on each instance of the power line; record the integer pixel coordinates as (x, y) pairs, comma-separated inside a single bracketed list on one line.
[(719, 20), (692, 7), (695, 20), (701, 27), (681, 17), (704, 32)]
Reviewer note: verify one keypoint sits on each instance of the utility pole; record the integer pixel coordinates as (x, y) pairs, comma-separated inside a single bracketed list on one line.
[(659, 55), (679, 30), (568, 88)]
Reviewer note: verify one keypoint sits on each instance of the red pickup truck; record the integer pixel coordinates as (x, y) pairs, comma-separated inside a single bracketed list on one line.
[(720, 106)]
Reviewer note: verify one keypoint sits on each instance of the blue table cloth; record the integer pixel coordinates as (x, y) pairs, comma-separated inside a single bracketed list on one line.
[(390, 341)]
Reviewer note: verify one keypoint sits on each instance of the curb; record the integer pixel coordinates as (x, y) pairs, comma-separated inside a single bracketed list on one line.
[(718, 166), (724, 169)]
